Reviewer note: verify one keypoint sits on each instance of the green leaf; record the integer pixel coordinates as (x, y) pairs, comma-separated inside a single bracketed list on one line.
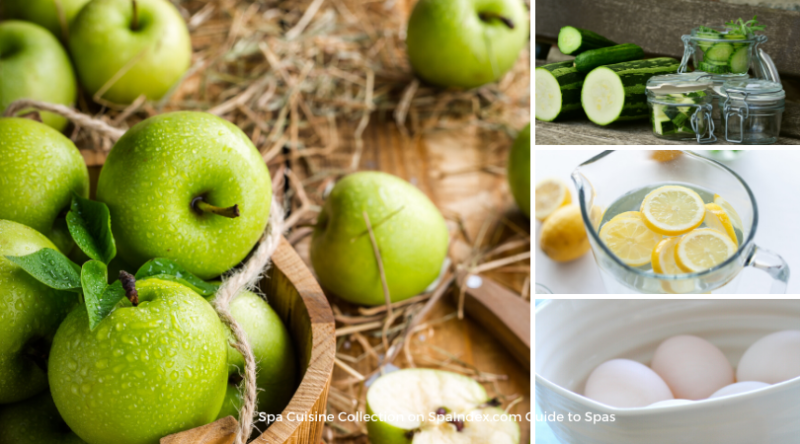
[(51, 268), (168, 269), (100, 297), (89, 224)]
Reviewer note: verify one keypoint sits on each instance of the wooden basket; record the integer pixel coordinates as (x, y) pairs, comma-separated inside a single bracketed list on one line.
[(297, 298)]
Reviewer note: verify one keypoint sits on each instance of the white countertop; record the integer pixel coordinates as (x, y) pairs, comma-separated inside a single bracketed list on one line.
[(774, 178)]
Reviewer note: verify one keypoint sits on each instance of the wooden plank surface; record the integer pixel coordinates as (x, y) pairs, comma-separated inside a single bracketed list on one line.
[(584, 132), (657, 25)]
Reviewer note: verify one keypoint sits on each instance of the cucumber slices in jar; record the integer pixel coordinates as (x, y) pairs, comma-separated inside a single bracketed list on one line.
[(672, 121)]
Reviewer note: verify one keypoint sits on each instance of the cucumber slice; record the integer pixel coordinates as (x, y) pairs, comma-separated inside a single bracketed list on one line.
[(664, 127), (681, 120), (740, 60), (707, 33), (558, 91), (736, 37), (713, 68), (719, 52), (573, 41)]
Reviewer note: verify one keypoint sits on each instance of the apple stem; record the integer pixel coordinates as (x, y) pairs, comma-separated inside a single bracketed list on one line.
[(201, 206), (494, 402), (459, 424), (129, 284), (135, 19), (486, 16)]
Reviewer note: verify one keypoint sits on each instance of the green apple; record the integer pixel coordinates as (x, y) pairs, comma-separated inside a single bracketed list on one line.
[(55, 15), (35, 421), (40, 169), (272, 347), (519, 170), (410, 233), (34, 65), (165, 183), (465, 43), (129, 48), (30, 313), (434, 406), (145, 372)]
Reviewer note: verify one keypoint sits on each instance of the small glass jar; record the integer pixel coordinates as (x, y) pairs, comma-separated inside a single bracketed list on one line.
[(752, 111), (725, 54), (680, 106)]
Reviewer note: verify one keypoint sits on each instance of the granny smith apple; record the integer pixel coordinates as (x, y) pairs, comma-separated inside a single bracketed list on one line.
[(519, 170), (34, 65), (55, 15), (275, 359), (188, 186), (129, 48), (35, 421), (145, 372), (30, 313), (410, 233), (426, 406), (40, 169), (465, 43)]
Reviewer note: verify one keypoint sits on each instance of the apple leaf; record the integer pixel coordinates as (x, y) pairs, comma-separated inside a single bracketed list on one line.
[(168, 269), (100, 297), (89, 224), (51, 268)]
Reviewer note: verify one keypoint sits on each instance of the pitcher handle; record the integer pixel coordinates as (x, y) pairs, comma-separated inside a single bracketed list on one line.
[(774, 265)]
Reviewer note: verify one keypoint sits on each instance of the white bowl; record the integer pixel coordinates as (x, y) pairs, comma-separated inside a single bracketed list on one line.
[(575, 336)]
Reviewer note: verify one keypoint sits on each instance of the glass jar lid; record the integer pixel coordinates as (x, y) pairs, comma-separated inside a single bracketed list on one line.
[(753, 90), (687, 82)]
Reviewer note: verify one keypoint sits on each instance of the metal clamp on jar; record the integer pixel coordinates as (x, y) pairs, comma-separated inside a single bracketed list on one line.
[(752, 111), (680, 106)]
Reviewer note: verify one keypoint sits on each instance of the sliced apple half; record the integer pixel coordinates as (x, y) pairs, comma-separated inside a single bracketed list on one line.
[(423, 406)]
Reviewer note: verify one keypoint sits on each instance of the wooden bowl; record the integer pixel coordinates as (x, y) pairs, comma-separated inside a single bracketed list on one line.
[(297, 298)]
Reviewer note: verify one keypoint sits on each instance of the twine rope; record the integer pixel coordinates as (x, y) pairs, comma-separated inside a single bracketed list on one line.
[(77, 117), (245, 277)]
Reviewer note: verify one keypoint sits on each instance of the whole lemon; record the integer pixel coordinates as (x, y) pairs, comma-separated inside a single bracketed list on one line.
[(563, 235)]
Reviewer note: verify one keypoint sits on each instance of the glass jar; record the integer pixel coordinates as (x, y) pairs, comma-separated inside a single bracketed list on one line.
[(752, 111), (680, 106), (721, 53)]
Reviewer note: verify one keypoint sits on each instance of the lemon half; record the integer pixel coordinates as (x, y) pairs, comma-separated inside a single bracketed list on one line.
[(703, 249), (673, 210), (630, 240), (551, 194)]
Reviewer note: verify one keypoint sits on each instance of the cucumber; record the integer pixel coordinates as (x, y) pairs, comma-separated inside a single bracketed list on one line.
[(558, 91), (713, 68), (616, 92), (736, 37), (706, 33), (573, 41), (719, 52), (589, 60), (740, 60), (663, 126)]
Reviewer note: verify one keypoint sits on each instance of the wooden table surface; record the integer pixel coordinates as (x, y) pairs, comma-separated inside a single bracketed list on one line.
[(450, 167)]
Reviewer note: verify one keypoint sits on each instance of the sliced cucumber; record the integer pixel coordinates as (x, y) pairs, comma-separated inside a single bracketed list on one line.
[(719, 52), (736, 37), (573, 41), (713, 68), (706, 33), (663, 126), (558, 91), (740, 60)]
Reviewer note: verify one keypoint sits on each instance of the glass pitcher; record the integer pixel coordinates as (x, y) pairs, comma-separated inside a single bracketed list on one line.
[(611, 175)]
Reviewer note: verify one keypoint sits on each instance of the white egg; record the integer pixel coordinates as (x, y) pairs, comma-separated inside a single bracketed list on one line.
[(739, 387), (671, 402), (626, 383), (772, 359), (692, 367)]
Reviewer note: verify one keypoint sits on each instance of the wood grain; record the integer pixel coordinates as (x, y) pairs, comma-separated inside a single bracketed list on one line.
[(584, 132), (657, 25)]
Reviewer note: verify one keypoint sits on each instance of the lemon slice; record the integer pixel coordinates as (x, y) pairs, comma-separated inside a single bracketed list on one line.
[(551, 194), (630, 240), (628, 215), (673, 210), (718, 219), (663, 257), (736, 221), (702, 249)]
